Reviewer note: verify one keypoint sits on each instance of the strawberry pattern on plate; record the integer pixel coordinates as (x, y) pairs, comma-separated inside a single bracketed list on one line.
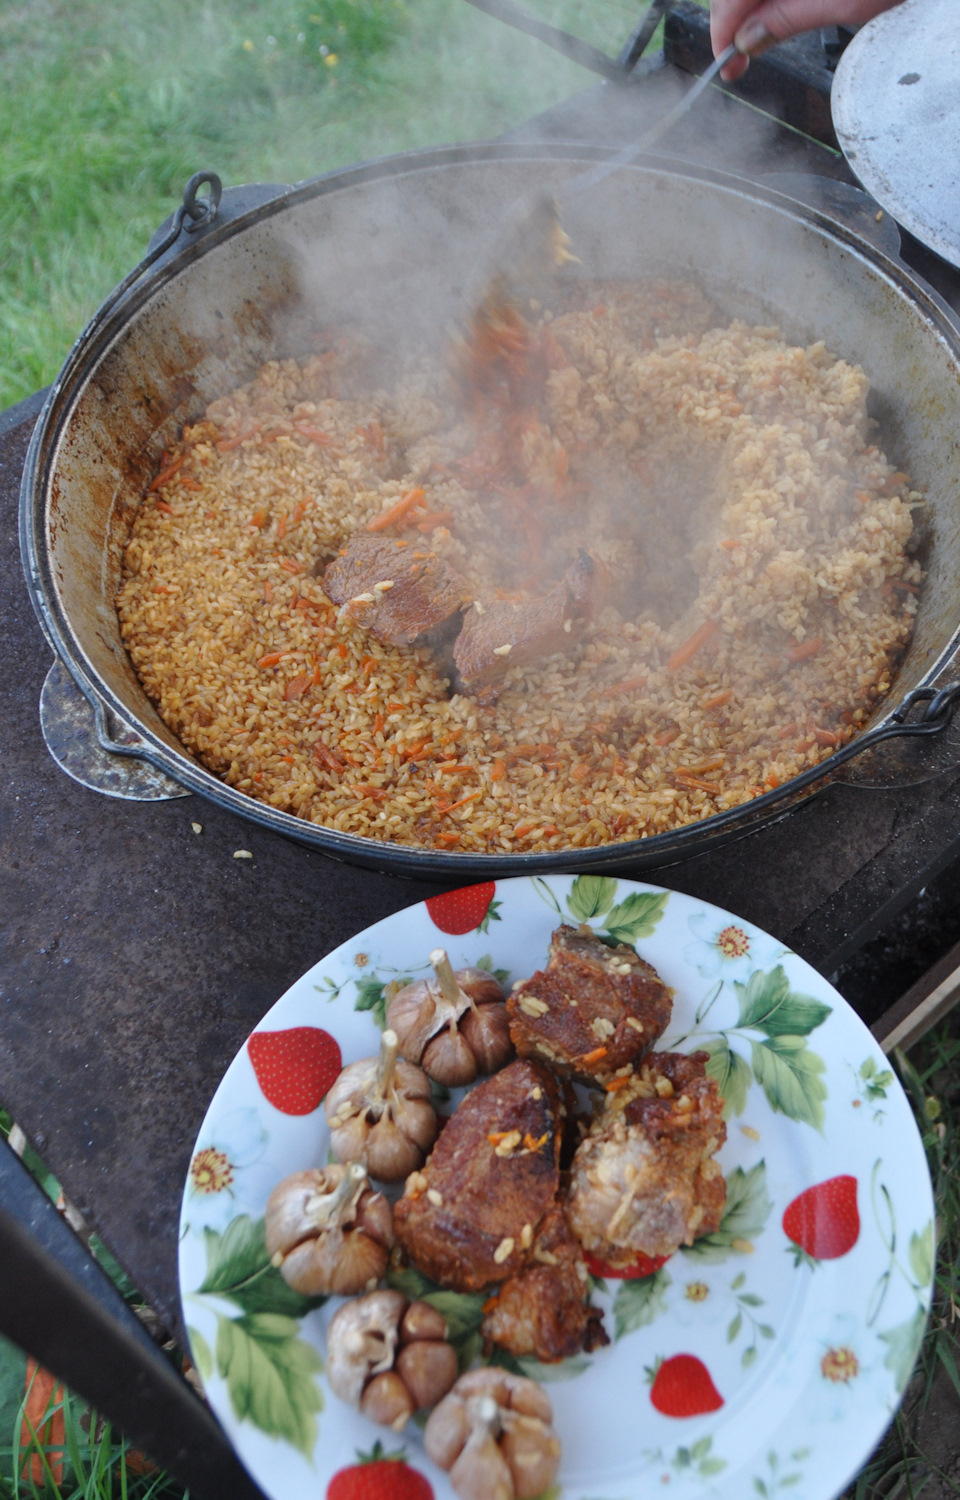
[(770, 1353)]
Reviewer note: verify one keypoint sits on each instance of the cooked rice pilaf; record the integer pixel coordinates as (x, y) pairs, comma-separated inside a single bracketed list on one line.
[(753, 539)]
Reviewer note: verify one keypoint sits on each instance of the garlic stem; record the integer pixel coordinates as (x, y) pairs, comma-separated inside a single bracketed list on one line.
[(487, 1416), (450, 990), (389, 1047), (327, 1209)]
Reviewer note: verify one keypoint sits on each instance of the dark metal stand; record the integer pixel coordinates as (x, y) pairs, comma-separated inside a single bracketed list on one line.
[(57, 1303)]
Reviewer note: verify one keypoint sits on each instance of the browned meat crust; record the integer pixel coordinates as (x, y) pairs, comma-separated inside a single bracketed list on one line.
[(490, 1191), (500, 634), (540, 1313), (644, 1179), (485, 1210), (593, 1011), (398, 591)]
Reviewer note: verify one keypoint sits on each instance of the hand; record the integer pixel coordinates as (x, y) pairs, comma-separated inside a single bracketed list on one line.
[(754, 24)]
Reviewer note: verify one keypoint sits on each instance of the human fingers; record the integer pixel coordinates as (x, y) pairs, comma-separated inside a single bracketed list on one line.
[(755, 26)]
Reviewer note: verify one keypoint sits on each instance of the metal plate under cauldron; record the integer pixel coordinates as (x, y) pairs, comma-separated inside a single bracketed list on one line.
[(896, 111)]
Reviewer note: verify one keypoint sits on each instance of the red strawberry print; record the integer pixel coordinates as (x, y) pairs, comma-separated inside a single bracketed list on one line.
[(379, 1476), (471, 908), (823, 1221), (682, 1387), (643, 1265), (294, 1068)]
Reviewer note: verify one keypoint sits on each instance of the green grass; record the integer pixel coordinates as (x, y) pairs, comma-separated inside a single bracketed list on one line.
[(108, 108), (94, 1459)]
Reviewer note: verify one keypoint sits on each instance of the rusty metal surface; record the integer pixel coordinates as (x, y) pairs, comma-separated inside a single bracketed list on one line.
[(896, 109)]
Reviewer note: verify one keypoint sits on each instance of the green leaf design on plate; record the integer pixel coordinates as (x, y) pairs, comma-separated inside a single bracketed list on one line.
[(637, 1303), (590, 896), (269, 1373), (731, 1073), (789, 1074), (462, 1310), (637, 916), (921, 1255), (903, 1344), (564, 1369), (371, 996), (768, 1004), (239, 1268), (486, 962), (200, 1349), (545, 893), (744, 1216)]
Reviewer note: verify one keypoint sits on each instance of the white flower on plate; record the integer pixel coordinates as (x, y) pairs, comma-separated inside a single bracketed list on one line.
[(215, 1193), (840, 1379), (727, 949)]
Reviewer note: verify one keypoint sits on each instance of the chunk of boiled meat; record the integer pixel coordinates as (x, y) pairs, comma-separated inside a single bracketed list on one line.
[(499, 634), (644, 1178), (593, 1012), (396, 590)]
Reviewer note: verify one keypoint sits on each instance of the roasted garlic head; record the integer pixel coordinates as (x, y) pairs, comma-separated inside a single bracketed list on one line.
[(454, 1025), (380, 1114), (328, 1231), (389, 1357), (494, 1435)]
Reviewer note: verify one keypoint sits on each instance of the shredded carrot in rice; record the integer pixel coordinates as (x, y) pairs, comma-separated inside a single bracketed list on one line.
[(805, 650), (589, 1058), (690, 647), (167, 474), (397, 512)]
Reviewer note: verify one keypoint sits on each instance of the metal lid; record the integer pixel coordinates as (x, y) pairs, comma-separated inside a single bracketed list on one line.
[(896, 111)]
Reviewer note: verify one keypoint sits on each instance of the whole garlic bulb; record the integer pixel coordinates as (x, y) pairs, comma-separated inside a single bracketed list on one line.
[(389, 1357), (454, 1025), (328, 1231), (494, 1434), (380, 1114)]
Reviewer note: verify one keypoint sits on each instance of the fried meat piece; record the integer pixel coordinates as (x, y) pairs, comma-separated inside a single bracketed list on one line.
[(540, 1313), (644, 1179), (484, 1211), (495, 1172), (397, 591), (499, 634), (592, 1011)]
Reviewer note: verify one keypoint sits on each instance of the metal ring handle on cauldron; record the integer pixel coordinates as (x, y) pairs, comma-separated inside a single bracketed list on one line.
[(195, 213), (941, 705)]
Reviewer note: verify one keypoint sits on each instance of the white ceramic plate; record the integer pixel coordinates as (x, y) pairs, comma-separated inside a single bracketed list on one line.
[(800, 1351)]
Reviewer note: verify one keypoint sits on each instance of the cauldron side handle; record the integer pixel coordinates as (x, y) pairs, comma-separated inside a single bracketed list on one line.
[(97, 748)]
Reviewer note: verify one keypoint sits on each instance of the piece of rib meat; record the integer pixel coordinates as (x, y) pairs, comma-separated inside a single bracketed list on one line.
[(499, 634), (540, 1313), (593, 1011), (644, 1179), (397, 591), (486, 1204)]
